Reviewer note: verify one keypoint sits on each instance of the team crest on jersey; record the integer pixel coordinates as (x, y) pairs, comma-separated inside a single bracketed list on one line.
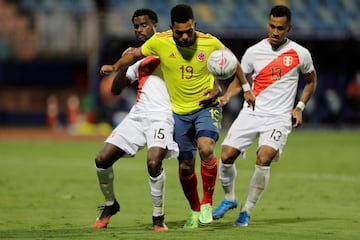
[(287, 60), (201, 56)]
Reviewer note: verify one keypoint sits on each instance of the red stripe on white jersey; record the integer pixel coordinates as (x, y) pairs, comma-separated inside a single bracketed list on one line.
[(277, 68)]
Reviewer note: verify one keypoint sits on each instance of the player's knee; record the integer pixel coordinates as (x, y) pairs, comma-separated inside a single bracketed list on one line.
[(206, 148), (102, 161), (186, 168), (108, 155), (229, 155), (262, 160), (206, 153), (265, 155), (154, 167)]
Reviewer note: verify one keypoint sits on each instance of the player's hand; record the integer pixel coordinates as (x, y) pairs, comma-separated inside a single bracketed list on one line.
[(297, 117), (211, 94), (224, 100), (107, 69), (250, 99)]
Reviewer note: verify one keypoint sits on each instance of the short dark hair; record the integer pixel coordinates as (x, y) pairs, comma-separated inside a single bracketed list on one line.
[(281, 11), (181, 13), (145, 12)]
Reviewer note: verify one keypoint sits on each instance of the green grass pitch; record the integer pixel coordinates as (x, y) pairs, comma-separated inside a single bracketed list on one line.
[(48, 190)]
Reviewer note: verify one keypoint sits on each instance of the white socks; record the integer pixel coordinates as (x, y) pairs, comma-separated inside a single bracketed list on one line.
[(106, 183), (258, 182), (227, 175), (157, 190)]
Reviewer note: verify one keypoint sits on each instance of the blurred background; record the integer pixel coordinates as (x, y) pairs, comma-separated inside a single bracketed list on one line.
[(51, 52)]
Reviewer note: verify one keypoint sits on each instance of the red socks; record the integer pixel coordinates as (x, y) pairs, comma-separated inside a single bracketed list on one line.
[(209, 173), (189, 186)]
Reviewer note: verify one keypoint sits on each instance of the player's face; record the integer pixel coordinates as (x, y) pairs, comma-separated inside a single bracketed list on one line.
[(184, 33), (277, 27), (144, 28)]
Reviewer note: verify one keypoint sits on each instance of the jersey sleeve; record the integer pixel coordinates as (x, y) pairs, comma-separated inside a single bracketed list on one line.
[(148, 48), (246, 62), (132, 72), (307, 65)]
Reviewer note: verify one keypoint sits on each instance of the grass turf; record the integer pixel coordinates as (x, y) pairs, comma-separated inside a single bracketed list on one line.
[(48, 190)]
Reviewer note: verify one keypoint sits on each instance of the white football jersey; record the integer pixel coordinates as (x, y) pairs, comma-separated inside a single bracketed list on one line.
[(275, 75), (150, 121), (152, 94)]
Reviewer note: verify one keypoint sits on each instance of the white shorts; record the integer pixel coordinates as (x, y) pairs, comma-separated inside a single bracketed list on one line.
[(135, 132), (271, 130)]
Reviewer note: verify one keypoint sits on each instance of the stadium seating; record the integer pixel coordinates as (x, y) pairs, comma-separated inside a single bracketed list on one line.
[(322, 18), (332, 18)]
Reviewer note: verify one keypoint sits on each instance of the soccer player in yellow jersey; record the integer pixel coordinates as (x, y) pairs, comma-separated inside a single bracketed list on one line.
[(194, 93)]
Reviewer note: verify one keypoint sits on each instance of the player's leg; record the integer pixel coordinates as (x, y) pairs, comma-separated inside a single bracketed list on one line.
[(208, 170), (258, 183), (189, 181), (105, 174), (157, 186), (240, 135), (161, 146), (184, 137), (227, 176), (127, 135), (207, 126), (271, 143)]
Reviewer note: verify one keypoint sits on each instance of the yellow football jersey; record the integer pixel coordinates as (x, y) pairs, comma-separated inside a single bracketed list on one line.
[(184, 68)]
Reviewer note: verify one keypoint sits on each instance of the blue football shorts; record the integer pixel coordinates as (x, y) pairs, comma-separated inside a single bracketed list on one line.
[(188, 128)]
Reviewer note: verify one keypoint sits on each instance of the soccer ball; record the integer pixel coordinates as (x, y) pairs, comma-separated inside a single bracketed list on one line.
[(222, 63)]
